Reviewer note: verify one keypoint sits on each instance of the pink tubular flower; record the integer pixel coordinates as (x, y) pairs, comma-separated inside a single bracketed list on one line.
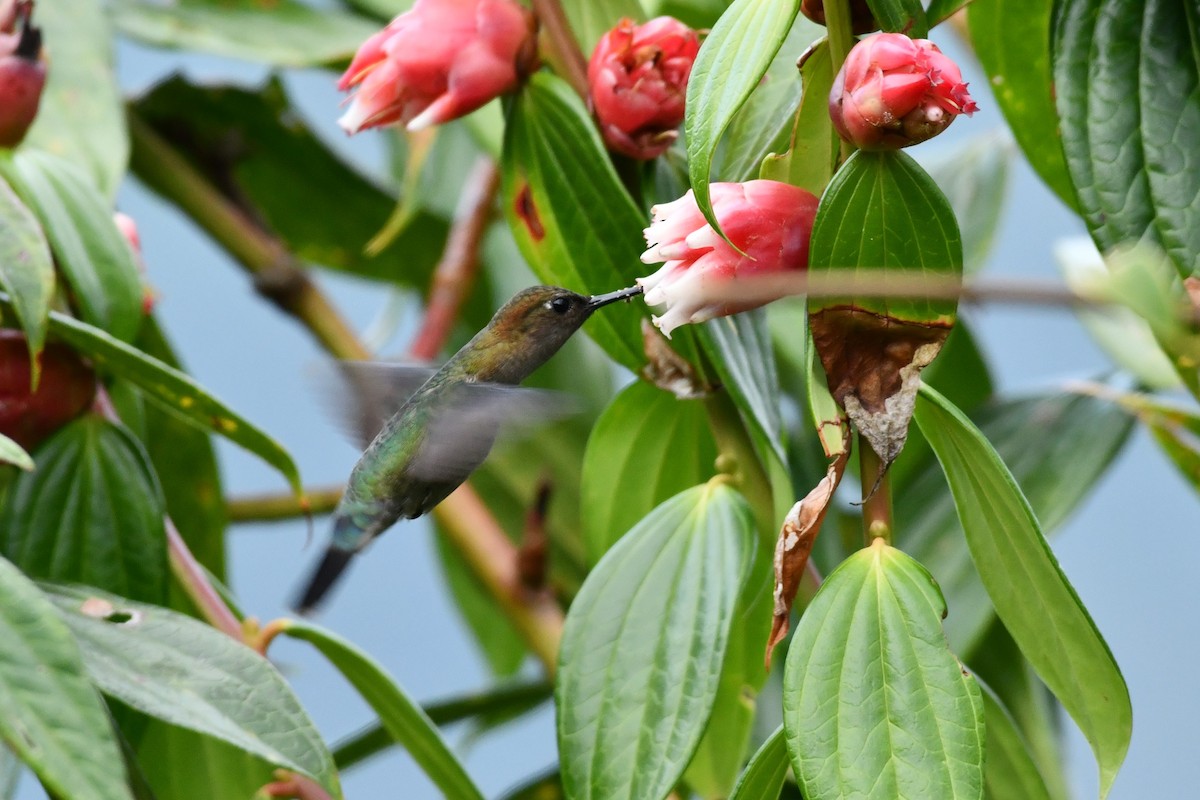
[(769, 221), (637, 80), (438, 61), (894, 91)]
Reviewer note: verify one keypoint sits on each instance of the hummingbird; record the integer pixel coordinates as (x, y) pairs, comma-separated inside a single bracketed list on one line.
[(445, 429)]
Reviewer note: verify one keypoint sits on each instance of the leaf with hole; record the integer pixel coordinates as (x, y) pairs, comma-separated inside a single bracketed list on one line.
[(182, 671)]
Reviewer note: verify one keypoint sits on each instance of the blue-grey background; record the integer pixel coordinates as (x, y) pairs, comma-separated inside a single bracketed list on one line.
[(1132, 550)]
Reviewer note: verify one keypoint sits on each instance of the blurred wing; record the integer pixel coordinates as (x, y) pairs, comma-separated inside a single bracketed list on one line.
[(463, 430), (361, 396)]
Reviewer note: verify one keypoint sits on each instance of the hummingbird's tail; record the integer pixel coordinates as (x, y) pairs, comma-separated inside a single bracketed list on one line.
[(331, 566)]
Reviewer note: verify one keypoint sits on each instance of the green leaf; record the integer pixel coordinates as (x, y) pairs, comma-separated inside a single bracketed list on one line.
[(646, 447), (1014, 49), (941, 10), (26, 272), (13, 453), (883, 212), (740, 346), (82, 114), (644, 641), (814, 146), (177, 392), (92, 513), (1057, 447), (900, 16), (764, 122), (92, 255), (53, 718), (182, 671), (571, 217), (184, 765), (10, 773), (323, 209), (874, 702), (1011, 773), (402, 718), (1030, 592), (1176, 429), (186, 464), (1127, 81), (974, 178), (729, 67), (763, 777), (284, 33)]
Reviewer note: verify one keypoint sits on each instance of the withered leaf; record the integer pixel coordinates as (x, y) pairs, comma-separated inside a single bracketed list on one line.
[(668, 370), (873, 363), (795, 544)]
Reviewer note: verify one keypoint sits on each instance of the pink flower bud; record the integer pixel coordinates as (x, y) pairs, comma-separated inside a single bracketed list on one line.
[(128, 228), (637, 80), (438, 61), (894, 91), (22, 78), (769, 221)]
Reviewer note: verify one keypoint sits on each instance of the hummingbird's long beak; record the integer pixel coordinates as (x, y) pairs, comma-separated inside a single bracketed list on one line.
[(598, 300)]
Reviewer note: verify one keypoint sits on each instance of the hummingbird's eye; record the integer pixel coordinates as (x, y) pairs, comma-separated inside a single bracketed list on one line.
[(560, 305)]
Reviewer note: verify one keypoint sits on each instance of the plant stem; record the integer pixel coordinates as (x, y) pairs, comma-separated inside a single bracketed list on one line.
[(277, 275), (455, 272), (272, 506), (734, 445), (472, 529), (841, 39), (194, 581), (877, 495), (564, 53)]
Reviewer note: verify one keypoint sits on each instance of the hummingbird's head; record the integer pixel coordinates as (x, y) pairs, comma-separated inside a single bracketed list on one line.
[(537, 321)]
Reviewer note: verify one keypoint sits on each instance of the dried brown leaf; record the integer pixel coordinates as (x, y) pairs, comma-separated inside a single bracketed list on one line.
[(873, 363), (795, 544), (668, 370)]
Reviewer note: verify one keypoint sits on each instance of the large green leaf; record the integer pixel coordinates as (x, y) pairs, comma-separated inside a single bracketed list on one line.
[(764, 122), (82, 113), (92, 513), (180, 764), (974, 178), (1028, 589), (573, 220), (254, 144), (53, 717), (177, 392), (646, 447), (763, 778), (643, 645), (92, 255), (182, 671), (1056, 446), (26, 271), (284, 33), (401, 717), (874, 703), (729, 67), (1013, 46), (1127, 82)]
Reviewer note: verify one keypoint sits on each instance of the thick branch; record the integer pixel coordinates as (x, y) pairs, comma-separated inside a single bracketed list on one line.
[(277, 276)]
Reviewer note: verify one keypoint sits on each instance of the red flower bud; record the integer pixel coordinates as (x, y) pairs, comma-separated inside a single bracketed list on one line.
[(438, 61), (637, 80), (65, 390), (894, 91), (769, 221), (128, 228), (861, 18), (22, 78)]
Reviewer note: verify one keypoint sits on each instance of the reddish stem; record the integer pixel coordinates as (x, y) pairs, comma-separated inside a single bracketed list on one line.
[(567, 54), (455, 273)]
